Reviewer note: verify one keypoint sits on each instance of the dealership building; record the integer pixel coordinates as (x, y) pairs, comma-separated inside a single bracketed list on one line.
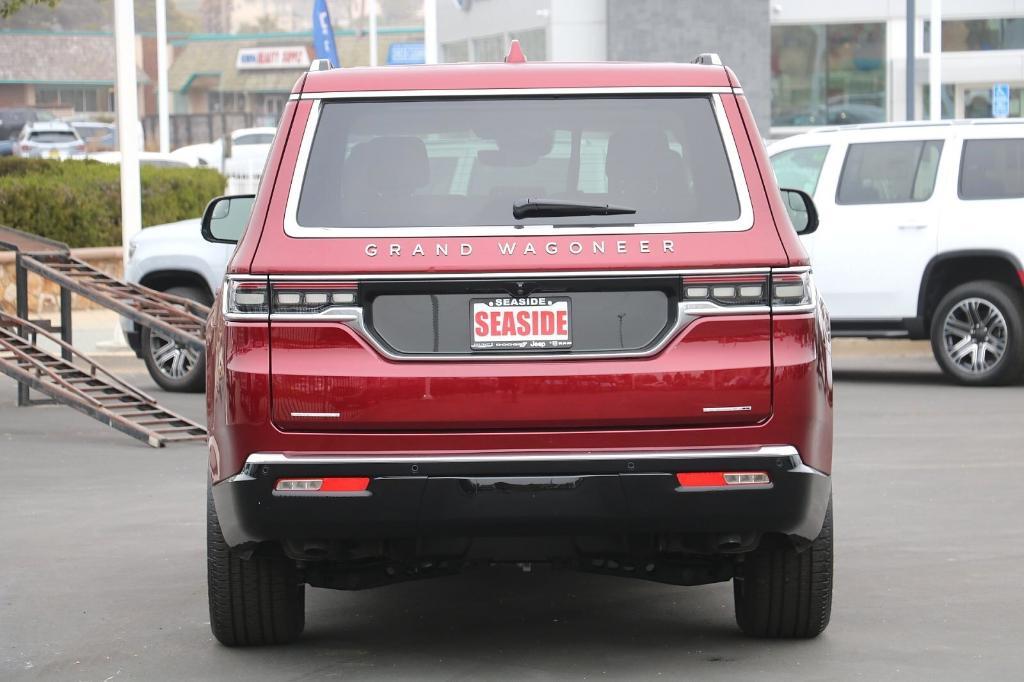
[(802, 62)]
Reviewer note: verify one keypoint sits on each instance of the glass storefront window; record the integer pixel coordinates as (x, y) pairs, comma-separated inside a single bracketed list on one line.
[(978, 102), (454, 52), (948, 101), (828, 74), (78, 99), (974, 35), (489, 48)]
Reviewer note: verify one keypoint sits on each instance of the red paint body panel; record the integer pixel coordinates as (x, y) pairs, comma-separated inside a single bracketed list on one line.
[(325, 368), (575, 406)]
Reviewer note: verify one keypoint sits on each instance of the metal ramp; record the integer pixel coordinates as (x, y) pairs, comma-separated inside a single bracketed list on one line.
[(176, 318), (87, 386)]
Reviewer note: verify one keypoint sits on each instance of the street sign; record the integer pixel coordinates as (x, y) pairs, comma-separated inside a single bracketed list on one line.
[(1000, 100), (406, 53)]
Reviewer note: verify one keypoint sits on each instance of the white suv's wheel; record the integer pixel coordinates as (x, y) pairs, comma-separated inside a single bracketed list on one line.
[(173, 366), (978, 334)]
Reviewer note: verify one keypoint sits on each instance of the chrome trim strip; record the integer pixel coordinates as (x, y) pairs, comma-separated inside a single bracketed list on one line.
[(259, 458), (737, 91), (322, 415), (743, 222), (618, 274), (736, 408), (506, 92)]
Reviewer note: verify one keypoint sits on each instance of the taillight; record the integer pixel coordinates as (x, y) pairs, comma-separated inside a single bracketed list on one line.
[(793, 292), (311, 298), (722, 479), (724, 293), (783, 291), (246, 299)]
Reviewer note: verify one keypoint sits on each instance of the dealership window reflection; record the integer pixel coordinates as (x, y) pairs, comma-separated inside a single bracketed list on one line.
[(828, 74)]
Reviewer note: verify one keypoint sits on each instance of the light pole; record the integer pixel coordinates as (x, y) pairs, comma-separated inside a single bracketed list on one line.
[(161, 76), (127, 121), (373, 32), (935, 63), (430, 31)]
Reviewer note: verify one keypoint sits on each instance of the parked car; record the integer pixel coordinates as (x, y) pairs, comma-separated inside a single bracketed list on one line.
[(98, 136), (176, 259), (920, 236), (13, 120), (6, 147), (204, 154), (593, 340), (49, 140), (145, 158)]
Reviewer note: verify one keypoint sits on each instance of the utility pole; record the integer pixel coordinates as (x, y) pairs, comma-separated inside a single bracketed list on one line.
[(373, 32), (127, 121), (430, 31), (911, 58), (161, 76), (935, 63)]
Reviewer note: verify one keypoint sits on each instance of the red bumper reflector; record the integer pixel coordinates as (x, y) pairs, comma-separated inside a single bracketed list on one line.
[(722, 479), (338, 484)]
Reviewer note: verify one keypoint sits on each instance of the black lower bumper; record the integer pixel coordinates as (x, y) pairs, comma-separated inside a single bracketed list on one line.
[(537, 495)]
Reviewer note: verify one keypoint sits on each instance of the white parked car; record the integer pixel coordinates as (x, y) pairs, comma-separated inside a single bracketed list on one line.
[(48, 140), (174, 258), (920, 236)]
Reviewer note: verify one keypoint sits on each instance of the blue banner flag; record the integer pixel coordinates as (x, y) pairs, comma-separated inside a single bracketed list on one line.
[(323, 34)]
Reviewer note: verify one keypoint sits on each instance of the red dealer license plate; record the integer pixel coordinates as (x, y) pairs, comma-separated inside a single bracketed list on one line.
[(525, 323)]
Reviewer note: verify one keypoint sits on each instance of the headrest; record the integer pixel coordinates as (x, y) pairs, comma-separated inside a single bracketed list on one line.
[(390, 165)]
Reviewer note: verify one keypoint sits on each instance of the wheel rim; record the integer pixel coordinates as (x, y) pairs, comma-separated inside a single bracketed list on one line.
[(974, 335), (172, 360)]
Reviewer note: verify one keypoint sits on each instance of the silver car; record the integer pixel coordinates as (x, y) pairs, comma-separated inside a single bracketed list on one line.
[(48, 140)]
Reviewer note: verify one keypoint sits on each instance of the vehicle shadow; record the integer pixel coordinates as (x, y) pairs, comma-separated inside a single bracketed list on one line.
[(500, 622), (889, 376)]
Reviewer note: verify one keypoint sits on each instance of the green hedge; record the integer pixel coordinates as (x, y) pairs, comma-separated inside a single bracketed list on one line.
[(79, 202)]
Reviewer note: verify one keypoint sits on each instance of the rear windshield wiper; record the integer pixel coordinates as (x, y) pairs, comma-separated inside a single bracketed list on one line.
[(544, 208)]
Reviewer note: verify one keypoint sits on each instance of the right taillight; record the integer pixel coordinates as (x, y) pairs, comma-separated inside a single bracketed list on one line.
[(792, 292)]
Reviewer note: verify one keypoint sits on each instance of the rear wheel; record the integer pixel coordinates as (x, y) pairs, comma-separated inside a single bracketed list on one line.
[(173, 366), (785, 593), (254, 601), (978, 334)]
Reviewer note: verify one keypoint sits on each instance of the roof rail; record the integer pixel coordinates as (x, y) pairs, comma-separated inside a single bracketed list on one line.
[(708, 58), (320, 65)]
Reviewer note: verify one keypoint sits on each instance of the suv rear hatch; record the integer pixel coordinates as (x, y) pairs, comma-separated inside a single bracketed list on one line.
[(549, 349)]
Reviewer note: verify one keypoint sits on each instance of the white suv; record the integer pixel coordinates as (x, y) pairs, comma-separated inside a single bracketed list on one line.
[(921, 236)]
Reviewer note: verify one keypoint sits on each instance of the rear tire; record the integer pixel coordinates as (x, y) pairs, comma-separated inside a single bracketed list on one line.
[(173, 367), (977, 334), (254, 601), (783, 593)]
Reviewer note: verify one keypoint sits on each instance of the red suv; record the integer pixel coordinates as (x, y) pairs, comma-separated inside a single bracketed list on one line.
[(518, 313)]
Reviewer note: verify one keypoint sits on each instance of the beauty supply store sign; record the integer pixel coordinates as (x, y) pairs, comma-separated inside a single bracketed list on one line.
[(272, 58)]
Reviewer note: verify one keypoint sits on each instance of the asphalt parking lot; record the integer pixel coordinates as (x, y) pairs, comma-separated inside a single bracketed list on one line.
[(102, 572)]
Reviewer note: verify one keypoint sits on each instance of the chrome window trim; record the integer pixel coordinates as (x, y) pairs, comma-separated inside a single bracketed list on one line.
[(257, 459), (743, 222), (506, 92), (529, 275)]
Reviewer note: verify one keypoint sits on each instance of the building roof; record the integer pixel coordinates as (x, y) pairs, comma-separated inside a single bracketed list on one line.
[(65, 58)]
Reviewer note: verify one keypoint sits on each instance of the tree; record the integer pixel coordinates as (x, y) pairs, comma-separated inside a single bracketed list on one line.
[(264, 24), (9, 7)]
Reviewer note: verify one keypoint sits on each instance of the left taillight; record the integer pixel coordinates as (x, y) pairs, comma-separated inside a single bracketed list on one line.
[(248, 298)]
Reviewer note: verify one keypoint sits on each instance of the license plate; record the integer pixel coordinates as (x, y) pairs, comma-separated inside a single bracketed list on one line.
[(525, 323)]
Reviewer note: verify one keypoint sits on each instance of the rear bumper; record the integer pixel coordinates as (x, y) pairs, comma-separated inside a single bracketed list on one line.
[(549, 494)]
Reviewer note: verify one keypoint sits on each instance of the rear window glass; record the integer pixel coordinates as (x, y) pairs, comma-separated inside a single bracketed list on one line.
[(799, 168), (254, 138), (992, 169), (53, 136), (465, 162), (889, 172)]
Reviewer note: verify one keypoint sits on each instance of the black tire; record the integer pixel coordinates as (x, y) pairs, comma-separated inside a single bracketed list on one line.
[(1007, 301), (783, 593), (194, 380), (254, 601)]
